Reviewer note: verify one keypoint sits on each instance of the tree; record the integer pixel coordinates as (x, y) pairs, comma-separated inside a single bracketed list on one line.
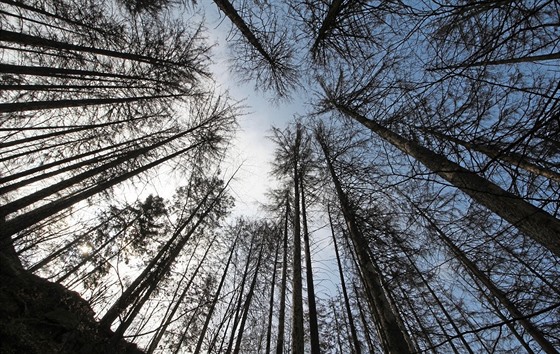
[(282, 310), (294, 158), (534, 222), (263, 54), (215, 299), (478, 275), (438, 176), (393, 337), (355, 340), (161, 263)]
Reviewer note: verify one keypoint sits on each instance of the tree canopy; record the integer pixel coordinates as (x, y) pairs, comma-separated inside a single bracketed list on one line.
[(413, 202)]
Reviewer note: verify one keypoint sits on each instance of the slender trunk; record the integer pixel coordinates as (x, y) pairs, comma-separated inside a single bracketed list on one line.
[(66, 88), (64, 131), (81, 278), (66, 247), (535, 273), (496, 153), (21, 222), (425, 332), (353, 331), (478, 274), (42, 147), (165, 257), (525, 59), (214, 300), (186, 330), (56, 16), (247, 304), (89, 162), (239, 307), (228, 10), (69, 73), (96, 159), (365, 323), (394, 338), (60, 186), (137, 306), (534, 222), (218, 331), (436, 298), (167, 317), (504, 319), (337, 329), (473, 327), (442, 328), (297, 291), (91, 255), (38, 137), (271, 304), (26, 39), (326, 26), (313, 326), (282, 311), (221, 349), (44, 105)]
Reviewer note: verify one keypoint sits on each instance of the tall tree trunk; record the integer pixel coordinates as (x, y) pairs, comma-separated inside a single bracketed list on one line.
[(239, 307), (214, 300), (425, 332), (120, 150), (139, 303), (441, 325), (247, 304), (185, 330), (120, 158), (326, 26), (30, 218), (282, 311), (353, 331), (21, 222), (228, 10), (313, 326), (40, 11), (44, 105), (337, 328), (535, 272), (38, 137), (297, 291), (67, 88), (436, 298), (223, 323), (394, 338), (365, 322), (519, 60), (30, 40), (504, 319), (477, 274), (271, 304), (496, 153), (42, 147), (160, 263), (67, 247), (92, 254), (69, 73), (534, 222), (167, 317)]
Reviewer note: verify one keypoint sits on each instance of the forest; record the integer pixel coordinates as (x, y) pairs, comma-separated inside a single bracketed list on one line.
[(413, 202)]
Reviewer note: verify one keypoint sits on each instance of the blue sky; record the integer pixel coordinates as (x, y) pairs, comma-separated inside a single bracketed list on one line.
[(251, 148)]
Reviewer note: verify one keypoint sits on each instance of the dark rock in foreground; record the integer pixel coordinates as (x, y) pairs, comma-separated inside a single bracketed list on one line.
[(40, 317)]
